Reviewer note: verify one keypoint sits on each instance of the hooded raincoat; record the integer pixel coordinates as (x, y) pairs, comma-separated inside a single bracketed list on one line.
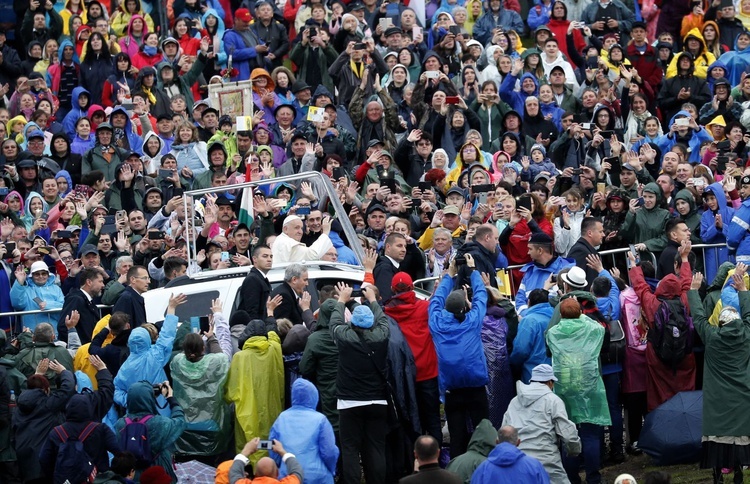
[(22, 297), (307, 434), (647, 225), (483, 440), (575, 345), (701, 63), (200, 386), (256, 387), (146, 361), (163, 432), (711, 234), (541, 418), (507, 463)]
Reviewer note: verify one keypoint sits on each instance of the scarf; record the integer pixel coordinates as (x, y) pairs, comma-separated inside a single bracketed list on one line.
[(634, 125), (149, 51), (357, 71), (151, 97)]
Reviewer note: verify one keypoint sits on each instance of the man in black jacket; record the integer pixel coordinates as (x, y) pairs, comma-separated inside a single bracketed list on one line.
[(91, 283), (115, 353), (592, 235), (256, 288), (130, 301), (414, 156), (389, 264), (272, 32), (295, 301), (361, 385), (484, 250)]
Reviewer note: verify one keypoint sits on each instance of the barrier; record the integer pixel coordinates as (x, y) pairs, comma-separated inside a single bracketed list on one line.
[(17, 316)]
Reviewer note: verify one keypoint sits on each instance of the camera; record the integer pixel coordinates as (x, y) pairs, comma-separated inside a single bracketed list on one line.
[(460, 260), (157, 388)]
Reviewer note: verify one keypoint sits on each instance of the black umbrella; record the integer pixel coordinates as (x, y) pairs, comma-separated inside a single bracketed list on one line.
[(672, 432)]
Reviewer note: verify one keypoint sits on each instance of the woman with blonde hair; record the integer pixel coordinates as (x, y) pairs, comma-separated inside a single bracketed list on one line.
[(189, 151)]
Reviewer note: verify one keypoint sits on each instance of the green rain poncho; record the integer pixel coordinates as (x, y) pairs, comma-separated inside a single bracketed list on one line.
[(199, 387), (575, 345), (647, 226), (256, 387), (726, 387)]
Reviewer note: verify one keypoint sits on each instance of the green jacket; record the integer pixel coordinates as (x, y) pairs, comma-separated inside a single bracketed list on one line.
[(647, 226), (320, 361), (492, 119), (726, 387), (693, 219), (301, 56), (32, 353), (186, 81), (713, 292), (483, 440)]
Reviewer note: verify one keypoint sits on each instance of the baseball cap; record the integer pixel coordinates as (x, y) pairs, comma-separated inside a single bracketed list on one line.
[(35, 133), (374, 142), (451, 210), (39, 266), (89, 249), (401, 282), (540, 238), (243, 14)]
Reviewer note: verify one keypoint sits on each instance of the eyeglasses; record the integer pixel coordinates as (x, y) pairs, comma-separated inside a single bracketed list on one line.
[(36, 141), (40, 273)]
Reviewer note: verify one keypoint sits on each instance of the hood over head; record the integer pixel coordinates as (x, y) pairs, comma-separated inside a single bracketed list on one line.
[(79, 409), (484, 438), (141, 399), (304, 394)]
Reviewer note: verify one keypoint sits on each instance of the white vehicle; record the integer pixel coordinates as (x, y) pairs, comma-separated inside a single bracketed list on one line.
[(225, 284)]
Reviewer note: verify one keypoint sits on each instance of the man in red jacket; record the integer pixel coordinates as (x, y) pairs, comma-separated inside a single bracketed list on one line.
[(411, 315), (644, 57)]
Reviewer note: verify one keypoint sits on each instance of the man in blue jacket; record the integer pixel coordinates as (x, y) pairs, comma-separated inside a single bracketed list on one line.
[(529, 348), (507, 463), (544, 263), (496, 17), (738, 237), (456, 325), (244, 45)]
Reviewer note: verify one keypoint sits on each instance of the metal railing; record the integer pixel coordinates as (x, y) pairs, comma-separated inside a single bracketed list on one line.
[(17, 316), (426, 284)]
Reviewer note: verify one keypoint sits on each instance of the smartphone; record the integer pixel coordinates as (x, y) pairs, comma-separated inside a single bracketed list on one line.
[(43, 250), (82, 191), (416, 31), (635, 254), (357, 291), (390, 183), (4, 191), (156, 235), (303, 211), (601, 187), (721, 163), (577, 171), (265, 445), (682, 122), (432, 74), (203, 324), (455, 29), (224, 256), (385, 23), (641, 202), (523, 202), (606, 134), (314, 32), (121, 215), (64, 234), (109, 220), (38, 300), (588, 126), (592, 62), (165, 173), (10, 247), (416, 202), (425, 186), (339, 173), (699, 182), (451, 99), (460, 260), (360, 46), (483, 188), (44, 216), (612, 160)]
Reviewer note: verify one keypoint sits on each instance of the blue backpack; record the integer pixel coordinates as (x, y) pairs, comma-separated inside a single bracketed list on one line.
[(73, 464), (134, 439)]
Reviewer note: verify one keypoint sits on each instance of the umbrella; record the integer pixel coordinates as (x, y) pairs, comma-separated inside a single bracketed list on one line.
[(672, 432), (195, 472)]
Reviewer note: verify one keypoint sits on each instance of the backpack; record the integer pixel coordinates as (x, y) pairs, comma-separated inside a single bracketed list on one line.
[(73, 464), (672, 333), (134, 439)]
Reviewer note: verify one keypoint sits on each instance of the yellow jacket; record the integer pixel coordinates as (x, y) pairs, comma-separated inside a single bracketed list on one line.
[(700, 64), (81, 360)]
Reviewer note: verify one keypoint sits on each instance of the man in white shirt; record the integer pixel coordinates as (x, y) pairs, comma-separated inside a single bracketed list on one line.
[(289, 248), (552, 57)]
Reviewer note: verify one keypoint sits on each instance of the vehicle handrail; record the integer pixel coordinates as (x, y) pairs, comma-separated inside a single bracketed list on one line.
[(229, 271), (43, 311), (333, 199)]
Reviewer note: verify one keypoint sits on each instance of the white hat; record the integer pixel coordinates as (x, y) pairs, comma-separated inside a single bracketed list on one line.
[(625, 479), (543, 373), (289, 219), (575, 277), (39, 266)]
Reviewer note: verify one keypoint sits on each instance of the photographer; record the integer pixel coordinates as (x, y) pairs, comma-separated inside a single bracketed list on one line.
[(163, 432), (266, 467)]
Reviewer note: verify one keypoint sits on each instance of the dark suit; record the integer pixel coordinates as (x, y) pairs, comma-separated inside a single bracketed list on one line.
[(254, 294), (431, 474), (132, 304), (89, 313), (580, 250), (289, 307), (383, 274)]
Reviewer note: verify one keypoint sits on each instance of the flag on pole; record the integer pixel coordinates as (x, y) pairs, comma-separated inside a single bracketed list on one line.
[(246, 207)]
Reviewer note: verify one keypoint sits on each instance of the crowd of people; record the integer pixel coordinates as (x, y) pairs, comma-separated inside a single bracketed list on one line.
[(493, 156)]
